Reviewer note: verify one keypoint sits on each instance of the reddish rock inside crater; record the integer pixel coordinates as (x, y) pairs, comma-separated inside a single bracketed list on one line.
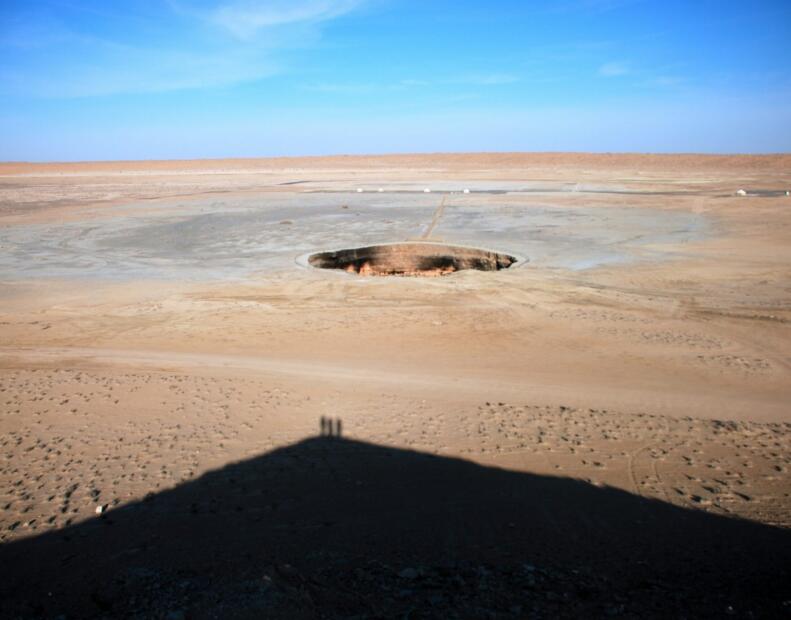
[(411, 259)]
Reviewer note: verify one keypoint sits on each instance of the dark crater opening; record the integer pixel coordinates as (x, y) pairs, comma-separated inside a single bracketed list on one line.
[(411, 259)]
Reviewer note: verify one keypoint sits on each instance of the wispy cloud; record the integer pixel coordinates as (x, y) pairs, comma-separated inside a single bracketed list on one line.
[(58, 56), (350, 88), (614, 69), (486, 79), (412, 82), (643, 77), (592, 6), (246, 18), (665, 81), (139, 71)]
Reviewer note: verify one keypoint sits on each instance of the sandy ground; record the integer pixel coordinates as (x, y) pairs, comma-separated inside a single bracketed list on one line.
[(157, 327)]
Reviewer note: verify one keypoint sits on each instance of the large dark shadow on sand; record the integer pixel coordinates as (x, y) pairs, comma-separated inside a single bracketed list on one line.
[(331, 527)]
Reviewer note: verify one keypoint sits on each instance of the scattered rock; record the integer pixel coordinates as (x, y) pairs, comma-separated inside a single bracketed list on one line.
[(288, 572)]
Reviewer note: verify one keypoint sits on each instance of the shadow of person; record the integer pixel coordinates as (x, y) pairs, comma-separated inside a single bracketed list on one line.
[(338, 428), (331, 527)]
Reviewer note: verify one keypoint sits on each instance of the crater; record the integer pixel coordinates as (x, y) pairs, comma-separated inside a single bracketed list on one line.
[(411, 259)]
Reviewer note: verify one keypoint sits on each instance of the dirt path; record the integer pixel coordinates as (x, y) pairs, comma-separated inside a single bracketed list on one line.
[(435, 220)]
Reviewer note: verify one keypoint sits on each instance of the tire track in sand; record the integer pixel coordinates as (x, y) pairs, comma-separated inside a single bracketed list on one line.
[(435, 220)]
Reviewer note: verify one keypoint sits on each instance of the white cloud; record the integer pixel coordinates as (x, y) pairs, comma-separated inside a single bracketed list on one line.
[(665, 81), (67, 60), (592, 6), (133, 71), (244, 19), (413, 82), (490, 79), (343, 88), (614, 69)]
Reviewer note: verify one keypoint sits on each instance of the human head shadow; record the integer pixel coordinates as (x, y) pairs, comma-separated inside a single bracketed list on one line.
[(332, 527), (329, 427)]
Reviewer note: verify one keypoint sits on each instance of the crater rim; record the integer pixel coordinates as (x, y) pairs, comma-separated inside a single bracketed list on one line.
[(443, 262)]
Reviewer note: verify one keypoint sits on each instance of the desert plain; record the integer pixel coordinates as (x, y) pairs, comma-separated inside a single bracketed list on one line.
[(602, 429)]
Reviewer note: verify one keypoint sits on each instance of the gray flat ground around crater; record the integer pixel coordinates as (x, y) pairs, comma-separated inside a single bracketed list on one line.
[(238, 237)]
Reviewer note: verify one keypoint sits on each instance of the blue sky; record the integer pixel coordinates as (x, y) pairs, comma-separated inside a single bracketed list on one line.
[(160, 79)]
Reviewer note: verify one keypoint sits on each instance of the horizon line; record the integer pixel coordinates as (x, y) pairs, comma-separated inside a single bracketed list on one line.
[(661, 154)]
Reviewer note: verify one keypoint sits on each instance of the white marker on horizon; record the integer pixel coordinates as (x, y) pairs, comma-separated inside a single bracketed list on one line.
[(466, 191), (359, 190), (427, 191)]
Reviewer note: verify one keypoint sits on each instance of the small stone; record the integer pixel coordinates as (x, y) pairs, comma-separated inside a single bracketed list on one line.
[(741, 192), (101, 508), (288, 572)]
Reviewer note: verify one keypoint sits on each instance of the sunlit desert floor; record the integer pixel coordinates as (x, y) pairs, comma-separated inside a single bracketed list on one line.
[(158, 323)]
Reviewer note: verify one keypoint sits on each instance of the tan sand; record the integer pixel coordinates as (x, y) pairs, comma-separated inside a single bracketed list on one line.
[(666, 376)]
